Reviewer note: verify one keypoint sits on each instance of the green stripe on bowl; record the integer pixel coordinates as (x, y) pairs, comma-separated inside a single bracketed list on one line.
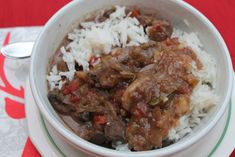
[(224, 131), (50, 138)]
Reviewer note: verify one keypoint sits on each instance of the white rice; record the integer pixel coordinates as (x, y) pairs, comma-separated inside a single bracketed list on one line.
[(99, 38)]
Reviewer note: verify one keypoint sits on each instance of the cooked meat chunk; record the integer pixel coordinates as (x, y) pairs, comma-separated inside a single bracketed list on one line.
[(58, 105), (115, 131), (142, 89), (147, 128), (143, 55), (108, 73), (98, 138), (159, 30), (146, 21), (82, 117), (89, 132)]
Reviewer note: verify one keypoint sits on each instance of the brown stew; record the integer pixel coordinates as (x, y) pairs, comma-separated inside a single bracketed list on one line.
[(135, 94)]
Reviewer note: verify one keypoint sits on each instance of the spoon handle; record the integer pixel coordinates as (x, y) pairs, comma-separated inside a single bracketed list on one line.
[(18, 50)]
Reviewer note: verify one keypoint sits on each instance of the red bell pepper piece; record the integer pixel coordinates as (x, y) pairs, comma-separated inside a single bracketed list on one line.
[(100, 119), (72, 86)]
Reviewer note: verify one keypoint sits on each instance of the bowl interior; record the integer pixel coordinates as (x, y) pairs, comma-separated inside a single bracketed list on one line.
[(175, 11)]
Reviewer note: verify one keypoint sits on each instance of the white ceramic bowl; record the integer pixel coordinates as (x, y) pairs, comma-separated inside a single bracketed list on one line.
[(175, 11)]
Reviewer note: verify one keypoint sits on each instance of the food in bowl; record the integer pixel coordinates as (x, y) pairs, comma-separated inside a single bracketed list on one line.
[(127, 80)]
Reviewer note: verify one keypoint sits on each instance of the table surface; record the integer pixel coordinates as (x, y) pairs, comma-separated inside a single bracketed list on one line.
[(15, 13)]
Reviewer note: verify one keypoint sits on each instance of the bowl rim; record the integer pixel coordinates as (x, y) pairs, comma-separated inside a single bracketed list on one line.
[(99, 150)]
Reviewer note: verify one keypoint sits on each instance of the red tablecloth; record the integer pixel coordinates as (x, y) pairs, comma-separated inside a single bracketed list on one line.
[(30, 13)]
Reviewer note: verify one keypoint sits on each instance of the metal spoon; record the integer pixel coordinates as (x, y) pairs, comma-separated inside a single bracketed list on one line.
[(19, 50)]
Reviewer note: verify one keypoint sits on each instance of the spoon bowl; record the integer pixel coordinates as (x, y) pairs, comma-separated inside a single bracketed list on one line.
[(19, 50)]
